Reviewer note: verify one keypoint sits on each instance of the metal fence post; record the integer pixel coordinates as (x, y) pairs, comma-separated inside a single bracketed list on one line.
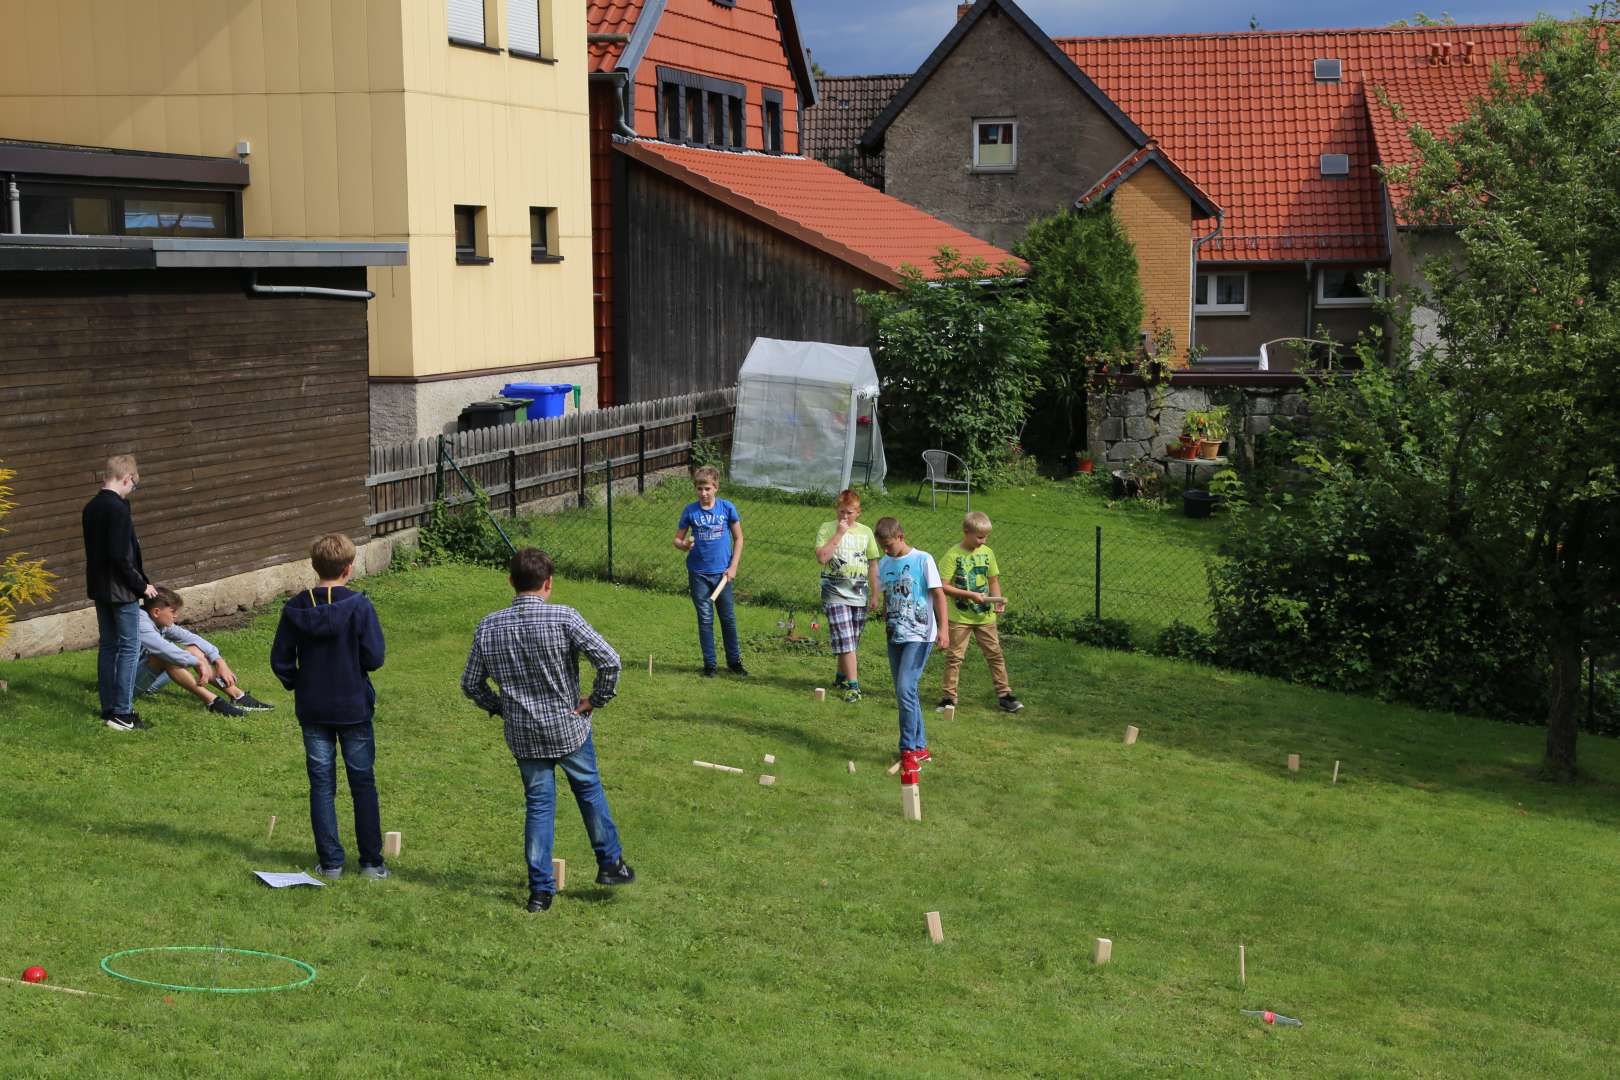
[(511, 481), (610, 515), (641, 459), (581, 463), (438, 472), (1096, 590)]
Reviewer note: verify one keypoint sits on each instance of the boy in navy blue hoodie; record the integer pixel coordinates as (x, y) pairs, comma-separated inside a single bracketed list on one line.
[(328, 640)]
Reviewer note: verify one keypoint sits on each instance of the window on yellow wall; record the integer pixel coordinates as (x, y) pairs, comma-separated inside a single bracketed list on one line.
[(472, 236), (466, 21), (543, 235), (523, 27)]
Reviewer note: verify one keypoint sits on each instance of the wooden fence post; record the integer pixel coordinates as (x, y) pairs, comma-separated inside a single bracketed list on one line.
[(641, 459), (511, 481), (581, 462)]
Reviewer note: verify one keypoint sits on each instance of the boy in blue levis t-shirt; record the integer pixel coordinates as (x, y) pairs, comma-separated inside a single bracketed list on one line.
[(712, 553), (914, 609)]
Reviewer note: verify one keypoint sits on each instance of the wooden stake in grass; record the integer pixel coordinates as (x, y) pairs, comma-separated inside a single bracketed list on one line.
[(892, 768), (1243, 971), (1335, 772), (821, 693), (649, 663), (1131, 732), (911, 801), (852, 768), (936, 932), (950, 712), (559, 872), (1103, 951), (48, 986), (272, 830), (770, 759), (1293, 763), (712, 765), (391, 845)]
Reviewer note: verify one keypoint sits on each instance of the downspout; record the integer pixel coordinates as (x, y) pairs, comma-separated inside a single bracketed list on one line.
[(1310, 301), (1192, 281), (14, 204), (621, 97), (306, 290)]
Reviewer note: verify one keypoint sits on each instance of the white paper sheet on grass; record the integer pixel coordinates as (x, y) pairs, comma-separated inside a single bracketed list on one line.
[(281, 881)]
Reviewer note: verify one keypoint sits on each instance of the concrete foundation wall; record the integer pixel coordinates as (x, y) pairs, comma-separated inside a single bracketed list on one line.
[(72, 630), (415, 410)]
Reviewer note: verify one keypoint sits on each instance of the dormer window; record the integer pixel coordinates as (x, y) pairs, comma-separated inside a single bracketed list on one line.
[(1335, 165), (1328, 71), (699, 110)]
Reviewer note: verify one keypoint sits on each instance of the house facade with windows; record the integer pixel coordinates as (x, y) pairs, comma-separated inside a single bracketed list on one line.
[(711, 225), (1281, 132), (457, 127)]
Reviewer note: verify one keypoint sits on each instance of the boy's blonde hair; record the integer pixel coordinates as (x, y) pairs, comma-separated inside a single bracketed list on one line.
[(331, 555), (119, 466), (888, 529), (975, 522), (705, 473), (849, 500)]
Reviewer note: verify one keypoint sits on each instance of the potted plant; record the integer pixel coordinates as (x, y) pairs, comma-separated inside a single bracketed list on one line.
[(1216, 426), (1085, 462), (1192, 429)]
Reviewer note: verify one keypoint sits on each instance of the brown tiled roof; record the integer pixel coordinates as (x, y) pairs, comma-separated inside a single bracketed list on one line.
[(1245, 117), (610, 17), (818, 205), (848, 104)]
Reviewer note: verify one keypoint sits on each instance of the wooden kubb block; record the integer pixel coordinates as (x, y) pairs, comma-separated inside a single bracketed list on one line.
[(391, 844), (559, 871), (911, 801), (1131, 732), (1293, 763), (1103, 951), (936, 932)]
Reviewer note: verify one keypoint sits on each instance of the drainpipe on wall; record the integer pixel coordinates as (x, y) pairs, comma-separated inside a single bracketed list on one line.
[(1192, 281), (14, 205), (306, 290), (1310, 302)]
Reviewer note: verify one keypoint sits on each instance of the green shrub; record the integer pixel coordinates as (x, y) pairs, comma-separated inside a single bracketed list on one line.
[(1182, 641), (1086, 629), (465, 533)]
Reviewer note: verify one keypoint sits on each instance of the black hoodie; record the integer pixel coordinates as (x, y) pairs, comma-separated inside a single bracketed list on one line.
[(329, 638)]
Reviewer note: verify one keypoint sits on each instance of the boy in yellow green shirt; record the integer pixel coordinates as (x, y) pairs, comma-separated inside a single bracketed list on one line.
[(973, 592)]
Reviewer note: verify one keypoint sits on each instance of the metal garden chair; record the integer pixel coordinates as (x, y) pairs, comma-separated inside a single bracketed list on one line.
[(937, 476)]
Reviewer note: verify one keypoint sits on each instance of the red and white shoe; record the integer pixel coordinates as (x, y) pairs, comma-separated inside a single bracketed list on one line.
[(920, 756)]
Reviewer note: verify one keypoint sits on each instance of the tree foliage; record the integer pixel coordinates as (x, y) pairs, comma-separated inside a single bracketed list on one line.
[(1473, 480), (959, 355), (22, 580)]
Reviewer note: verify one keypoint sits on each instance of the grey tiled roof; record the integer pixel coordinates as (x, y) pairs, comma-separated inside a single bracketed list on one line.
[(848, 106)]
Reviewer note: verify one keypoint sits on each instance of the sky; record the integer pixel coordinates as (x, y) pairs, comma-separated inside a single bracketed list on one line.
[(871, 37)]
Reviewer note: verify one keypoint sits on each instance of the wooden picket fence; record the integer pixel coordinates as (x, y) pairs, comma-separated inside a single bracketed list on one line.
[(539, 460)]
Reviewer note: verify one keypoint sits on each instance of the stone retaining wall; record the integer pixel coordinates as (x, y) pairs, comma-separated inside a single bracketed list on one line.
[(71, 630), (1139, 422)]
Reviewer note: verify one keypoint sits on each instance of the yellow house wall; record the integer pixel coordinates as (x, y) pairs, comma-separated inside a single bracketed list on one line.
[(365, 124), (1157, 216)]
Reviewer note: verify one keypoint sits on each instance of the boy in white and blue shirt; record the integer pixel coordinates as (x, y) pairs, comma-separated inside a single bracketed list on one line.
[(915, 614), (713, 551)]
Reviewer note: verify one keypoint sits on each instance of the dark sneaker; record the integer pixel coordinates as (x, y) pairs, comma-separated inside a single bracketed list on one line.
[(330, 873), (839, 682), (1011, 704), (616, 875), (252, 704), (119, 721), (738, 670), (540, 901), (708, 671), (376, 873), (943, 702), (220, 707), (852, 695), (135, 720)]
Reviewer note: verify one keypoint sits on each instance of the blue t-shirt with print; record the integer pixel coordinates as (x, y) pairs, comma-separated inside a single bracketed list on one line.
[(908, 603), (711, 536)]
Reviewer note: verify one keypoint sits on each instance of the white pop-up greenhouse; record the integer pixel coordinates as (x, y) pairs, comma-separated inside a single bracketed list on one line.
[(807, 418)]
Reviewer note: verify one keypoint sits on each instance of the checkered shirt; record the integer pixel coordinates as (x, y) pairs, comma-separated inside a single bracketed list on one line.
[(531, 649)]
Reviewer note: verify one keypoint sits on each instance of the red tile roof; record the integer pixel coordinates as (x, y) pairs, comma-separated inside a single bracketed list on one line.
[(1246, 119), (610, 17), (1422, 103), (817, 204)]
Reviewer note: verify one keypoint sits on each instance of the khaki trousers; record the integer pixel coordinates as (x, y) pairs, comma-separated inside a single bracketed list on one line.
[(989, 644)]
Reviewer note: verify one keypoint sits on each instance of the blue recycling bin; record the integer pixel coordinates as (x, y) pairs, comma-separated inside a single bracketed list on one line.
[(548, 398)]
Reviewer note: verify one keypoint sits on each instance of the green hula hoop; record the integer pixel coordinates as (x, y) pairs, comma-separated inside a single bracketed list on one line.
[(309, 970)]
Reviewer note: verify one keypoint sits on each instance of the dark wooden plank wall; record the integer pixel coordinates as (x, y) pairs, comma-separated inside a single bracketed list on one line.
[(249, 416), (697, 282)]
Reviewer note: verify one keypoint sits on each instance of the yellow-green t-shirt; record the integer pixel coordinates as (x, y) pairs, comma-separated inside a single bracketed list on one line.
[(970, 570), (844, 581)]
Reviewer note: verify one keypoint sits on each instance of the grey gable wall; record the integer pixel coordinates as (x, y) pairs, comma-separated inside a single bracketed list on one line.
[(1065, 143)]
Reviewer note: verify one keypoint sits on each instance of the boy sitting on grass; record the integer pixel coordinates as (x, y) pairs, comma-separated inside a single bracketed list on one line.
[(171, 653), (973, 581)]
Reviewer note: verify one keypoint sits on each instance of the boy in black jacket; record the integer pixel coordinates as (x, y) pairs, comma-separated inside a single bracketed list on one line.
[(329, 638)]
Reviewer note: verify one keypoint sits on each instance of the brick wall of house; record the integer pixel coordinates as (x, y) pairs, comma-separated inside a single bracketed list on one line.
[(1157, 216)]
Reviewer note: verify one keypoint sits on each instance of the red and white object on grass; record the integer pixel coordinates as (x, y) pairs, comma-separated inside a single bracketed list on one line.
[(35, 974)]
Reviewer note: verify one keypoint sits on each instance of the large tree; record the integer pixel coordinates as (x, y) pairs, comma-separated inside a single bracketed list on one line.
[(1520, 382)]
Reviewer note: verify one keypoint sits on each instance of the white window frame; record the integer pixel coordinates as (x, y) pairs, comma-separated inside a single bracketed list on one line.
[(1339, 301), (466, 9), (523, 17), (1202, 308), (979, 121)]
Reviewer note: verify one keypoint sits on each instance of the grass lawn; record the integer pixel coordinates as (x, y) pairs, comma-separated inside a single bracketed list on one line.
[(1437, 913), (1044, 539)]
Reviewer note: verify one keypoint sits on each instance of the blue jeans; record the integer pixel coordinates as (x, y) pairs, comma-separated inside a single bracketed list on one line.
[(906, 662), (120, 654), (540, 797), (702, 585), (359, 743)]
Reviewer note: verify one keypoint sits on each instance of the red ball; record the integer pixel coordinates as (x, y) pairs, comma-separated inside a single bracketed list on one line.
[(34, 975)]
